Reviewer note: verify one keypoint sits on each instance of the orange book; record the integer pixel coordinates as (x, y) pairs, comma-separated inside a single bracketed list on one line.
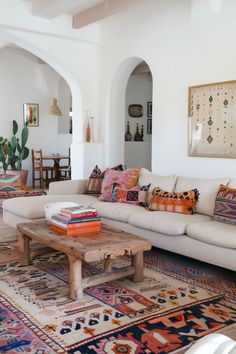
[(79, 225), (75, 232)]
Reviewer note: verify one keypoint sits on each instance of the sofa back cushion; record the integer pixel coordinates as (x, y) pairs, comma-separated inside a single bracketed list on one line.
[(207, 189), (166, 183)]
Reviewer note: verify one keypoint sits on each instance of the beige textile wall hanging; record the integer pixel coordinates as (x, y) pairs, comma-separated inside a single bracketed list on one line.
[(212, 120)]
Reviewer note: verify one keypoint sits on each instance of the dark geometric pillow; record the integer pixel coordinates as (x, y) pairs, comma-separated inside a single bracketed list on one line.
[(94, 184), (136, 195), (95, 172)]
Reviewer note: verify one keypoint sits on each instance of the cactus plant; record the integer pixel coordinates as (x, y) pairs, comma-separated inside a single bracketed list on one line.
[(4, 153), (14, 151), (17, 147)]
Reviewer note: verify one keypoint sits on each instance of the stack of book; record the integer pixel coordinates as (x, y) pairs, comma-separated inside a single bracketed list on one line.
[(76, 221)]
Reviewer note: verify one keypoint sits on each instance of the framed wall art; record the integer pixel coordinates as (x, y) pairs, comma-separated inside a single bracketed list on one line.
[(31, 114), (212, 120), (149, 109)]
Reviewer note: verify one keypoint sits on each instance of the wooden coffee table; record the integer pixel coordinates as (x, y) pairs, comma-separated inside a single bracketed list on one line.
[(104, 246)]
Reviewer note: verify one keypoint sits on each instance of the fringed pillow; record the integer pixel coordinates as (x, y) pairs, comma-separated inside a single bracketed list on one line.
[(182, 202)]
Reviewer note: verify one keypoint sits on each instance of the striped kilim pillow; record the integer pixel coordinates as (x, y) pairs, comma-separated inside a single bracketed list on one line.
[(94, 184), (9, 182), (225, 205)]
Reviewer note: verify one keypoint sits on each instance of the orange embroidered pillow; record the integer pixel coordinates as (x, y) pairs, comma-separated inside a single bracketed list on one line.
[(182, 202)]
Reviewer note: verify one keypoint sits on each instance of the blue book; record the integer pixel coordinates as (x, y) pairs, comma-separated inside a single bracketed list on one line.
[(67, 221)]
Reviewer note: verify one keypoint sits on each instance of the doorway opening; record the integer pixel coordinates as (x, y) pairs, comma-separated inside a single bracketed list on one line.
[(138, 118), (27, 87)]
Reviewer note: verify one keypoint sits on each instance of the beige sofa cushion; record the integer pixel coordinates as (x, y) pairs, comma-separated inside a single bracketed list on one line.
[(213, 232), (116, 211), (168, 223), (207, 188), (33, 207), (164, 182)]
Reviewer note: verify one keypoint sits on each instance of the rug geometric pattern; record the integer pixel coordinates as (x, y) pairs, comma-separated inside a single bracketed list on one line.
[(159, 315)]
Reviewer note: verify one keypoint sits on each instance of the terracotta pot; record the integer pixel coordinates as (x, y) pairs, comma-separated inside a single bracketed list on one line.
[(23, 174)]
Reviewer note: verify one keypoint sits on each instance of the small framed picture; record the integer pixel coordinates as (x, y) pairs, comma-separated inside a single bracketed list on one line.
[(149, 109), (149, 126), (31, 114), (70, 129)]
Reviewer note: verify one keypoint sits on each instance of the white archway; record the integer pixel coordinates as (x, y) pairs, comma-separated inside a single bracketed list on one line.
[(116, 112), (73, 84)]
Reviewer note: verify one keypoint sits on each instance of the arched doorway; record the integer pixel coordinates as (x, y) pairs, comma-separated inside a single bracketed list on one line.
[(77, 135), (116, 122), (138, 118)]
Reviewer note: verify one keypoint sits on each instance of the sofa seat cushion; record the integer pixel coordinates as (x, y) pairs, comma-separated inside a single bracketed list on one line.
[(33, 207), (214, 232), (168, 223), (117, 211)]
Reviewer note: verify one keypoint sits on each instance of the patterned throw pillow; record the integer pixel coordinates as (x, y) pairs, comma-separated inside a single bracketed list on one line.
[(225, 205), (9, 182), (94, 184), (136, 195), (125, 179), (182, 202)]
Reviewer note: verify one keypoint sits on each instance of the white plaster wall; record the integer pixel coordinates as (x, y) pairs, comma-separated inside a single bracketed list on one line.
[(185, 43), (64, 102), (24, 80), (72, 53)]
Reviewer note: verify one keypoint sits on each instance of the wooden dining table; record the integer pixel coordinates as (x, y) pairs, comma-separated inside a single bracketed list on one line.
[(56, 159)]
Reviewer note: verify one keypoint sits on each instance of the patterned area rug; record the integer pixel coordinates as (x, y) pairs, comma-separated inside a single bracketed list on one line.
[(159, 315)]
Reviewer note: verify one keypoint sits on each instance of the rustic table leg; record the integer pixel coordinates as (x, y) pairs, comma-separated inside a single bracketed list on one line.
[(75, 278), (137, 262), (108, 264), (23, 242)]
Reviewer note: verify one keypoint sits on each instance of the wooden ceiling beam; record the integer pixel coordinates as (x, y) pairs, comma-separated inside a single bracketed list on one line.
[(102, 10)]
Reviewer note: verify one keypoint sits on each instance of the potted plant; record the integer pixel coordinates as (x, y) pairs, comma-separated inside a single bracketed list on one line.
[(14, 151)]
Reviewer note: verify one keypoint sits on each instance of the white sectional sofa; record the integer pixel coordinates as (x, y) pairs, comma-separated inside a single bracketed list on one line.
[(196, 236)]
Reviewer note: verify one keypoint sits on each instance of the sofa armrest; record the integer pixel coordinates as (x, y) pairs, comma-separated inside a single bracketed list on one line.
[(68, 187)]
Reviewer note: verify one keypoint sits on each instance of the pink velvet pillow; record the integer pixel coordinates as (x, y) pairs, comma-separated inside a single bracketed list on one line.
[(126, 179)]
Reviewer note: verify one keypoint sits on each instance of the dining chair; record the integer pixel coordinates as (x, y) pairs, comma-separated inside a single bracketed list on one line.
[(66, 170), (41, 173)]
